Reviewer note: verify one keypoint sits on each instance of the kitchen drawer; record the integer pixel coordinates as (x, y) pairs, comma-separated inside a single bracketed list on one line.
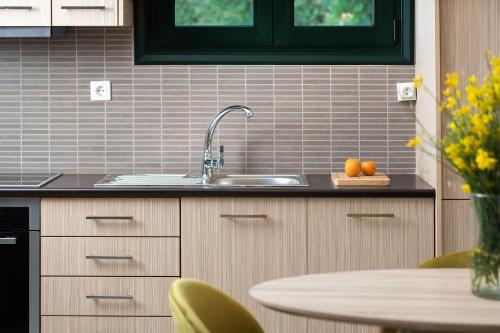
[(85, 12), (25, 13), (369, 233), (110, 256), (110, 217), (107, 325), (70, 296)]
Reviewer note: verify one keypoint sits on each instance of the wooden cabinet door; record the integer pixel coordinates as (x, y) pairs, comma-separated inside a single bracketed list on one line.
[(460, 226), (369, 233), (235, 243), (25, 13)]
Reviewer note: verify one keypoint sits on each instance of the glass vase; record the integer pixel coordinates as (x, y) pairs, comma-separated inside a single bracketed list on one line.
[(486, 256)]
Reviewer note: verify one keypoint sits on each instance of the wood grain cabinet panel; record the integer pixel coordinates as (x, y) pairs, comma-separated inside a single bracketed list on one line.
[(25, 13), (460, 227), (91, 12), (107, 325), (109, 217), (68, 296), (110, 256), (357, 234), (235, 243)]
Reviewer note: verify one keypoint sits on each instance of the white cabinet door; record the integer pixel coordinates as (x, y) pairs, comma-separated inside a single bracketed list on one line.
[(25, 13), (85, 12)]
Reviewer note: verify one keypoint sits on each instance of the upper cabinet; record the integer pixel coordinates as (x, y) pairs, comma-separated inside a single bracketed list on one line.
[(61, 13), (274, 31), (85, 13), (24, 13)]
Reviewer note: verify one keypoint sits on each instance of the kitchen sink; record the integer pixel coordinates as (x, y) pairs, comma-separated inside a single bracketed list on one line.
[(173, 180), (258, 180)]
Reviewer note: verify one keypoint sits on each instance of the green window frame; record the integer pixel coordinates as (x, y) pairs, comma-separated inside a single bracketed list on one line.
[(274, 38)]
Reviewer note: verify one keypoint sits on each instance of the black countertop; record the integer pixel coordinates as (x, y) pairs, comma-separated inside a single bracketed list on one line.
[(320, 186)]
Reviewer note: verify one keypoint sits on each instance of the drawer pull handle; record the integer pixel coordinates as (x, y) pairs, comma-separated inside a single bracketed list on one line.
[(370, 215), (109, 257), (8, 241), (17, 7), (124, 218), (99, 297), (250, 216), (83, 7)]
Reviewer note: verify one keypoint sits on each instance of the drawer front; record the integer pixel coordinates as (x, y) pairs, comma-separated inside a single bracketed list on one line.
[(105, 296), (25, 13), (110, 217), (369, 233), (107, 325), (85, 12), (110, 256)]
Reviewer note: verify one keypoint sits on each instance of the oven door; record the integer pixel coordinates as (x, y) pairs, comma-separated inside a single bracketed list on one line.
[(14, 281)]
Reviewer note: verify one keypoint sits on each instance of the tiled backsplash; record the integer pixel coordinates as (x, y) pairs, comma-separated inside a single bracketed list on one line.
[(307, 118)]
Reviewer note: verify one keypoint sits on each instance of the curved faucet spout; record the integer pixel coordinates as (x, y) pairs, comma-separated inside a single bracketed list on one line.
[(210, 162)]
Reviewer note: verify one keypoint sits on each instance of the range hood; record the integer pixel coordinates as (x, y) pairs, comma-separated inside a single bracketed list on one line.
[(20, 32)]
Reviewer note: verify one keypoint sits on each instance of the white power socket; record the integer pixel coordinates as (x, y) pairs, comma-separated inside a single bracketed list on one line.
[(407, 91), (100, 90)]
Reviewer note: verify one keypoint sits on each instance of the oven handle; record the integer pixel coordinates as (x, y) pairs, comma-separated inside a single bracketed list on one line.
[(8, 241)]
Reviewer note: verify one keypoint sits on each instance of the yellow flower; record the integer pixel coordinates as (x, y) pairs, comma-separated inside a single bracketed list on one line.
[(458, 94), (447, 92), (469, 143), (452, 126), (463, 111), (473, 79), (452, 150), (417, 81), (479, 126), (466, 188), (484, 160), (459, 163), (413, 143), (452, 80), (452, 102)]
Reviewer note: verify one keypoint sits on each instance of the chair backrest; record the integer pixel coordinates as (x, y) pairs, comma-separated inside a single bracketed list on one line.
[(197, 307), (453, 260)]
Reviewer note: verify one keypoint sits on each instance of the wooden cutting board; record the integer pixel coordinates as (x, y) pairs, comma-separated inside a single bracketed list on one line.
[(340, 179)]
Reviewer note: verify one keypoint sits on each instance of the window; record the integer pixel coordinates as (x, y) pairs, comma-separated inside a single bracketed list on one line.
[(274, 31)]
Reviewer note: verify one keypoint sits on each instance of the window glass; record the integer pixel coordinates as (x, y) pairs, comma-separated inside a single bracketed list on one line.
[(333, 12), (213, 12)]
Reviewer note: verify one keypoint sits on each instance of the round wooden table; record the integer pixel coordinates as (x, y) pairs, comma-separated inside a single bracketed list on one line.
[(416, 299)]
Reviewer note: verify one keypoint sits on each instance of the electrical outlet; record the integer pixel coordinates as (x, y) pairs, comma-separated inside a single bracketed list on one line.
[(100, 90), (406, 92)]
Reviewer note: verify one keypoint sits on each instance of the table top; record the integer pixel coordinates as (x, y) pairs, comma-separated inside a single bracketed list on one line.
[(418, 299)]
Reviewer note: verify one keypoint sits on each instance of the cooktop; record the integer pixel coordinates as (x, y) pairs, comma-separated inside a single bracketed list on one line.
[(27, 179)]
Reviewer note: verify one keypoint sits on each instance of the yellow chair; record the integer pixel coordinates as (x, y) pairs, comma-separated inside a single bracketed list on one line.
[(197, 307), (454, 260)]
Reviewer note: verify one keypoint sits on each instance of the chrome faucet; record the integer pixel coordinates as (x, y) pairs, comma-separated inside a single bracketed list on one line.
[(209, 162)]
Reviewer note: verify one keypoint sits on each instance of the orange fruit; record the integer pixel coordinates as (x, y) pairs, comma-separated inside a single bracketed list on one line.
[(352, 167), (369, 168)]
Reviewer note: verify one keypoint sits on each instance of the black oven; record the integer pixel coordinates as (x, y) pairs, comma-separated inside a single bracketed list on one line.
[(20, 265)]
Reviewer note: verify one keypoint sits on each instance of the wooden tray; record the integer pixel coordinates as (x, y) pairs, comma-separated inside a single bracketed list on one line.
[(340, 179)]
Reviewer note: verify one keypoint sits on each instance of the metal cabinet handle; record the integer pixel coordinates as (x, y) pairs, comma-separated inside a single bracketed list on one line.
[(109, 257), (83, 7), (99, 297), (370, 215), (250, 216), (126, 218), (8, 241), (17, 7)]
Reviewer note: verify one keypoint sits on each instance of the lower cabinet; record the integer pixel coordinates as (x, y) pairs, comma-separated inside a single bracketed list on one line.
[(367, 233), (460, 226), (107, 325), (235, 243)]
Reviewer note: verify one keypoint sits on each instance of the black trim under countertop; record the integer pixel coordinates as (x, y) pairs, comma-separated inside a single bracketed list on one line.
[(82, 185)]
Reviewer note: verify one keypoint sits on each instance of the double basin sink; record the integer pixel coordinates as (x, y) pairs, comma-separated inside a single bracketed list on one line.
[(169, 180)]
